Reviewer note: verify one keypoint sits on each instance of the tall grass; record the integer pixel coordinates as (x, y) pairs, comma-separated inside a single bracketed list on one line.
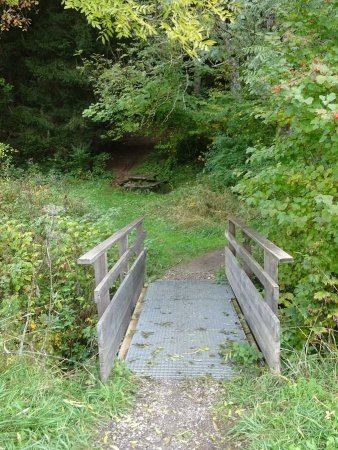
[(43, 408), (294, 411)]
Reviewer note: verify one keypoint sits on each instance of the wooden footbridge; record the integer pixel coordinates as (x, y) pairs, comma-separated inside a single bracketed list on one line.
[(183, 325)]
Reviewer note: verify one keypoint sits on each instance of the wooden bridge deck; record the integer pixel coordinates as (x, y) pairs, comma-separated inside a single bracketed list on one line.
[(182, 328), (184, 324)]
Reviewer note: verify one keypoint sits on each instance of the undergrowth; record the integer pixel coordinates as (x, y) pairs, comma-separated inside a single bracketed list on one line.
[(44, 408), (294, 411)]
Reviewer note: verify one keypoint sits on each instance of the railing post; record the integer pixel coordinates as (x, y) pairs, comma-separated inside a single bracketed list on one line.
[(101, 270), (123, 246), (139, 232), (247, 246), (232, 233), (271, 267)]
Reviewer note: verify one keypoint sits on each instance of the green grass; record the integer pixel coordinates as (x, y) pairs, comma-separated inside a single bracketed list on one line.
[(295, 411), (170, 240), (43, 408)]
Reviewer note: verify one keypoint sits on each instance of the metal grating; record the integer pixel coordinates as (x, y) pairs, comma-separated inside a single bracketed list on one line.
[(181, 328)]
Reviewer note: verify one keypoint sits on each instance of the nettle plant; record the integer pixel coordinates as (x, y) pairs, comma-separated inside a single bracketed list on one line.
[(293, 181)]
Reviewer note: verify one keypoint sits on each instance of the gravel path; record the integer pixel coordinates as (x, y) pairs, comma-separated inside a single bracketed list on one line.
[(173, 415), (169, 416)]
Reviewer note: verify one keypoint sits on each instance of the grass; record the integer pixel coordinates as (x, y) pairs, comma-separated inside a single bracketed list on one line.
[(181, 225), (294, 411), (43, 408)]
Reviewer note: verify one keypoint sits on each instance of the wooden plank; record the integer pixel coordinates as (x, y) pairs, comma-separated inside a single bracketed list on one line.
[(100, 269), (247, 248), (271, 267), (263, 323), (262, 241), (96, 252), (119, 267), (266, 280), (132, 326), (232, 233), (257, 300), (114, 322), (123, 247)]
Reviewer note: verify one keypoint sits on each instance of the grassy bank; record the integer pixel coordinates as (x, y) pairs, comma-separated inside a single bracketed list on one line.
[(294, 411), (43, 408), (181, 225)]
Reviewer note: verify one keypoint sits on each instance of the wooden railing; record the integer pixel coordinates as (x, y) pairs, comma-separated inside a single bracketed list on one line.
[(115, 311), (240, 265)]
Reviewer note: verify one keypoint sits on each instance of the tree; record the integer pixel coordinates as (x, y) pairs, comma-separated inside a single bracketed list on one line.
[(42, 93), (15, 13), (184, 21)]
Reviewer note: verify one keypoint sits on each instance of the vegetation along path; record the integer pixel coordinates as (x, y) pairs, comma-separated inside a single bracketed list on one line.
[(176, 345)]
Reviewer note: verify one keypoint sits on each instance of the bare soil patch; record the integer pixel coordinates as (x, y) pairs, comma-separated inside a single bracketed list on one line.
[(204, 267)]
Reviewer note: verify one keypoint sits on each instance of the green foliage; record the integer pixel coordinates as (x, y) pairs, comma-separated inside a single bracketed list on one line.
[(42, 93), (46, 297), (143, 90), (241, 353), (49, 221), (226, 160), (44, 408), (292, 182), (294, 411), (186, 22)]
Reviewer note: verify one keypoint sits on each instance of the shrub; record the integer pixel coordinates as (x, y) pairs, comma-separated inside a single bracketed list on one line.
[(292, 183), (46, 297)]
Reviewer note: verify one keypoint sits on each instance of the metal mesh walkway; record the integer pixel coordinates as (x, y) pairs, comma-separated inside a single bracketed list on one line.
[(181, 328)]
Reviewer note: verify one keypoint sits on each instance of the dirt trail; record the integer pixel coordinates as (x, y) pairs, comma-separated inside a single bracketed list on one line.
[(127, 155), (169, 415), (173, 415), (204, 267)]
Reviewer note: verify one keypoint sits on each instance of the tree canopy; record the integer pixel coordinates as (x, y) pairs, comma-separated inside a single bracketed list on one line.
[(184, 21)]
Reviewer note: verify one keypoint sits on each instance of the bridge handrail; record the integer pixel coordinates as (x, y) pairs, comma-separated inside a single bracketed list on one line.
[(115, 309), (273, 256), (261, 313), (262, 241), (95, 253)]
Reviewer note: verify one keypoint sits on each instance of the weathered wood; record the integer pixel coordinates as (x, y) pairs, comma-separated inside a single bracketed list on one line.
[(263, 323), (232, 234), (123, 246), (255, 267), (114, 322), (143, 186), (262, 241), (143, 177), (100, 269), (271, 267), (119, 267), (93, 254), (247, 248), (132, 326)]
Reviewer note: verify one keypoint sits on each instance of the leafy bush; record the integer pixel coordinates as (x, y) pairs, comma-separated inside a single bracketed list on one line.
[(292, 183), (226, 160), (241, 353), (46, 297)]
